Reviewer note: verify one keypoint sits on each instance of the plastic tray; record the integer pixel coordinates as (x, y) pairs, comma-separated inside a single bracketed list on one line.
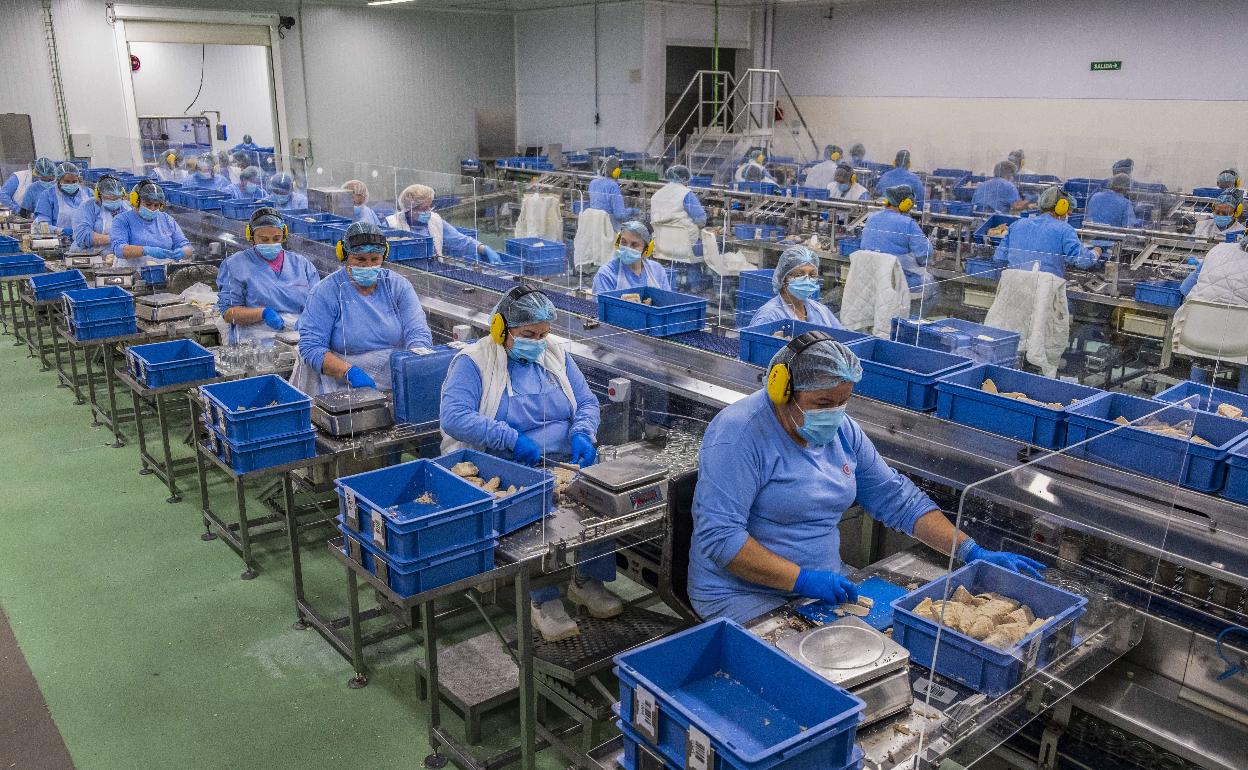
[(204, 200), (758, 344), (50, 286), (758, 232), (418, 384), (247, 456), (965, 190), (21, 264), (1172, 460), (256, 408), (996, 220), (239, 208), (535, 248), (107, 303), (987, 269), (761, 709), (167, 363), (982, 344), (154, 275), (634, 745), (757, 282), (9, 245), (384, 504), (98, 330), (982, 667), (1237, 474), (409, 248), (1205, 398), (959, 398), (956, 208), (1081, 189), (1207, 192), (847, 246), (1164, 293), (1037, 179), (410, 578), (701, 181), (903, 374), (524, 266), (671, 312), (535, 488), (951, 173), (758, 188)]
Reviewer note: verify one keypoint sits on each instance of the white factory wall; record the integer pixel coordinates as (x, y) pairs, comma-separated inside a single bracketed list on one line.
[(26, 63), (963, 83), (555, 69), (235, 83)]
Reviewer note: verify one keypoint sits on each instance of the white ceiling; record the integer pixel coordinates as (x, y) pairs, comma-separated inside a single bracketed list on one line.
[(532, 5)]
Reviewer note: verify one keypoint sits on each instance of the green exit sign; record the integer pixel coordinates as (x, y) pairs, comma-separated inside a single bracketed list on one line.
[(1106, 66)]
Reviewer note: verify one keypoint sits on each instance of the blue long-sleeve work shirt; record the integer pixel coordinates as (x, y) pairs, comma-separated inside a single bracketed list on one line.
[(454, 243), (246, 279), (776, 309), (604, 194), (129, 229), (1108, 207), (58, 209), (536, 407), (893, 232), (614, 275), (1047, 241), (896, 176), (755, 481), (216, 182), (995, 195), (693, 207), (92, 218), (9, 190), (33, 193)]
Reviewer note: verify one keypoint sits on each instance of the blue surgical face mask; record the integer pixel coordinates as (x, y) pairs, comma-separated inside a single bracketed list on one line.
[(269, 250), (357, 211), (1223, 221), (44, 183), (803, 288), (365, 276), (69, 189), (627, 256), (111, 205), (526, 350), (203, 174), (820, 426), (423, 217), (843, 187), (148, 214), (249, 187), (280, 200)]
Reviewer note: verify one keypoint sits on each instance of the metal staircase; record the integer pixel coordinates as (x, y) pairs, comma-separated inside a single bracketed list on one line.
[(58, 90), (727, 118)]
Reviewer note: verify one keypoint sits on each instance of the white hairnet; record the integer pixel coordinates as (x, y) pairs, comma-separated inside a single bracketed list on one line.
[(679, 174), (822, 366), (532, 308), (638, 228), (608, 165), (792, 258), (415, 196), (1004, 169), (357, 188), (1120, 182), (1049, 198)]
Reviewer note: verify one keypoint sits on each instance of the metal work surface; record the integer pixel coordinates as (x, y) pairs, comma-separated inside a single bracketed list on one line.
[(572, 659)]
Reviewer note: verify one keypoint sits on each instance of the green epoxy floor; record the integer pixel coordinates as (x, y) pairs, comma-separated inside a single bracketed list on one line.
[(149, 649)]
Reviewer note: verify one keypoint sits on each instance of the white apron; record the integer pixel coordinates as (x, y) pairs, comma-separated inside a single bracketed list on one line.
[(674, 231), (595, 238), (398, 221)]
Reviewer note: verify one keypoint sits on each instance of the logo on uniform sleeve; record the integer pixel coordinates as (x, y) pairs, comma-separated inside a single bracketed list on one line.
[(846, 469)]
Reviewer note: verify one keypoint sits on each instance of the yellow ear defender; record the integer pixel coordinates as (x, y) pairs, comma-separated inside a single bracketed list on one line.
[(645, 253), (134, 194), (615, 173), (905, 205), (498, 324), (853, 179), (780, 376), (836, 156), (100, 181), (1063, 207), (266, 211), (361, 239)]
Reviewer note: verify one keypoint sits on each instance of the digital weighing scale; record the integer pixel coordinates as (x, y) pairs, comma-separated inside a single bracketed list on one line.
[(619, 487), (162, 307), (351, 411)]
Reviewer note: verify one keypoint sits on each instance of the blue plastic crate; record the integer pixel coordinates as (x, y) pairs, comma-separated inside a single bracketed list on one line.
[(535, 248), (382, 507), (758, 188), (409, 248), (636, 746), (1049, 179), (1164, 293), (1237, 474), (408, 578), (1081, 189), (50, 286), (9, 244), (965, 191), (749, 301), (956, 208), (1207, 192), (670, 312), (256, 408), (982, 667), (951, 173), (446, 201), (525, 266), (205, 200), (1172, 460), (177, 196), (1205, 398), (996, 220), (107, 303), (759, 343), (93, 174), (239, 208), (98, 330), (982, 344), (961, 399), (417, 382), (987, 269), (847, 246), (761, 709), (903, 374), (701, 181), (756, 282), (535, 488), (21, 264), (313, 225), (746, 232), (247, 456), (154, 275), (167, 363)]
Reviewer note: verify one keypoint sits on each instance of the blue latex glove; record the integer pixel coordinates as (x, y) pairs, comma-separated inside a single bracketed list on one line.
[(971, 551), (157, 252), (358, 378), (274, 320), (67, 232), (526, 451), (829, 586), (490, 255), (583, 452)]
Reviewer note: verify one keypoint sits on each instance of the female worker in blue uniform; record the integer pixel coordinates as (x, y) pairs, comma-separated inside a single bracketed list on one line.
[(796, 283), (263, 289), (93, 224), (1227, 210), (416, 216), (999, 195), (858, 156), (901, 174), (516, 394), (1046, 240), (146, 231), (823, 173), (283, 195), (59, 204), (776, 472), (205, 176), (631, 267), (15, 187), (1111, 206), (42, 179), (248, 186), (1228, 179), (845, 185), (894, 231), (605, 195), (753, 168), (357, 317), (362, 211)]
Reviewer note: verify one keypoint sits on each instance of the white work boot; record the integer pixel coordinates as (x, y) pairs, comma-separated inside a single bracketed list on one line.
[(594, 596), (553, 622)]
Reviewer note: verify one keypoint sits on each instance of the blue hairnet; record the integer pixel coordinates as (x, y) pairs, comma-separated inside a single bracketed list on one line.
[(898, 193), (608, 164), (844, 172), (1004, 169), (281, 183), (205, 161), (679, 174), (111, 186), (532, 308), (43, 167), (267, 216), (831, 150), (361, 228), (241, 158), (1120, 182), (822, 366), (1049, 198), (150, 191), (1017, 157), (792, 258), (65, 169), (857, 151), (637, 228), (1124, 166), (903, 159), (1228, 177), (251, 173), (246, 138)]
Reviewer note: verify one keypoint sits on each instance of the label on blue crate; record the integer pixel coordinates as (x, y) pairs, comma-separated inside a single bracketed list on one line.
[(353, 511), (1032, 653), (698, 752), (646, 714), (941, 694), (379, 530)]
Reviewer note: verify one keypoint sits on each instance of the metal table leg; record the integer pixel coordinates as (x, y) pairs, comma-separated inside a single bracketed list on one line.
[(24, 336), (88, 352), (296, 562), (135, 402), (428, 626), (244, 531), (528, 691), (73, 372), (201, 471), (162, 417), (357, 634), (56, 355), (12, 298), (110, 384)]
